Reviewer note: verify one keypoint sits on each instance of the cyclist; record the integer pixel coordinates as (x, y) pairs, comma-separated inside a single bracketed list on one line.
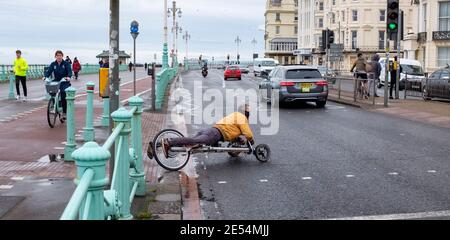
[(234, 127), (360, 64), (61, 70)]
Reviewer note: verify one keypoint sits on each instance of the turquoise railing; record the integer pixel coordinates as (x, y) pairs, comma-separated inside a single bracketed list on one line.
[(163, 78), (91, 201), (36, 71)]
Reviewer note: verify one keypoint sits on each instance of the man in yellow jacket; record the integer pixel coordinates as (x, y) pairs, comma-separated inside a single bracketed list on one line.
[(20, 70), (232, 127)]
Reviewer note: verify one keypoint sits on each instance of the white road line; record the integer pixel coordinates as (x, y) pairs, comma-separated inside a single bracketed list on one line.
[(350, 176), (306, 178), (263, 180), (58, 148), (393, 173), (222, 182), (431, 171), (6, 186), (17, 178), (398, 216)]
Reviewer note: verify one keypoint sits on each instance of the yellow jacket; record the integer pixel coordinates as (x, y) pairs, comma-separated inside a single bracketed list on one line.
[(20, 67), (234, 125)]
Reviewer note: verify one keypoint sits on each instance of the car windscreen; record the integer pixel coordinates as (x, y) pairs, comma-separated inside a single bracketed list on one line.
[(412, 69), (233, 68), (268, 63), (303, 74)]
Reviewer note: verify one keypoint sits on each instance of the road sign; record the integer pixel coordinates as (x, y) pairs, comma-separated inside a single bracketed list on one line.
[(301, 52)]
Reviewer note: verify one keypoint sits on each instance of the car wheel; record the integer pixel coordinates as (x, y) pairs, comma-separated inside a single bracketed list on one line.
[(321, 104), (239, 78), (225, 79)]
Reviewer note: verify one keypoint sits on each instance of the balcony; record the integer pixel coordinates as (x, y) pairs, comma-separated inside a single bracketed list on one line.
[(441, 35), (422, 37)]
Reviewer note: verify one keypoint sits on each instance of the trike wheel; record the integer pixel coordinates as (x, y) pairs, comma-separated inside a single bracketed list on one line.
[(262, 152), (175, 160)]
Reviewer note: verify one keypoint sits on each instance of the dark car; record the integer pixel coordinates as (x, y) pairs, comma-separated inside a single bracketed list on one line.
[(437, 85), (294, 83)]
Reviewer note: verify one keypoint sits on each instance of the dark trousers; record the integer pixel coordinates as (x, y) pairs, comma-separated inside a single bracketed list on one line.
[(210, 136), (62, 88), (76, 75), (23, 80), (393, 82)]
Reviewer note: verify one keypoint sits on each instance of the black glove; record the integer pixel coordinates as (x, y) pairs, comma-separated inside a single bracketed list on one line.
[(252, 142), (241, 139)]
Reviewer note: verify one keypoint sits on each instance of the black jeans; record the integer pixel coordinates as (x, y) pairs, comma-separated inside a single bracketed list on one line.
[(23, 80), (393, 82), (76, 75), (62, 88), (210, 136)]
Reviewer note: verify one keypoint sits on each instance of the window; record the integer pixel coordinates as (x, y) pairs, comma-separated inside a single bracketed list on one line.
[(277, 17), (320, 6), (320, 23), (444, 16), (296, 3), (443, 56), (424, 14), (436, 75), (354, 39), (277, 29), (303, 74), (276, 2), (343, 16), (295, 30), (333, 17), (296, 17), (355, 15), (381, 39), (382, 15), (334, 2)]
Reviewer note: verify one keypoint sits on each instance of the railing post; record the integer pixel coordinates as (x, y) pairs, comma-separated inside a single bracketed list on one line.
[(12, 79), (92, 156), (136, 140), (70, 143), (89, 134), (122, 165), (105, 117)]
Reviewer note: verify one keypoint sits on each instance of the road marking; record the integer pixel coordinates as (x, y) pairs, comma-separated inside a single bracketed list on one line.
[(63, 143), (58, 148), (263, 180), (431, 171), (306, 178), (350, 176), (6, 186), (402, 134), (398, 216), (393, 173), (17, 178), (222, 182)]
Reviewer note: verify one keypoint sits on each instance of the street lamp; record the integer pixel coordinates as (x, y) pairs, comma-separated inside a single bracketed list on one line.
[(134, 31), (237, 41), (254, 42), (174, 10)]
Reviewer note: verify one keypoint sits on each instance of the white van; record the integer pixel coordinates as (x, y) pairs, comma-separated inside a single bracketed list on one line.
[(410, 67), (261, 64)]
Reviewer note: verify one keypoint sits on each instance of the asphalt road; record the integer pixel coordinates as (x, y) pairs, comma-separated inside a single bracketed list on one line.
[(336, 162)]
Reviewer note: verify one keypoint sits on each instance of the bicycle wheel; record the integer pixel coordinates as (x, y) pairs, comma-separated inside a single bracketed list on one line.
[(262, 152), (175, 160), (51, 112)]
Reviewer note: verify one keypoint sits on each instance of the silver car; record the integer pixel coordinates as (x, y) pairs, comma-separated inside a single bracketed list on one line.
[(294, 83)]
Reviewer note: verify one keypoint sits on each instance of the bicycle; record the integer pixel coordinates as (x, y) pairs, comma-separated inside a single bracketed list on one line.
[(361, 89), (178, 157), (54, 106)]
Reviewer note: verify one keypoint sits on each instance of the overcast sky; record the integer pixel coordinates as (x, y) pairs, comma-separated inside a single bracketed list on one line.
[(80, 28)]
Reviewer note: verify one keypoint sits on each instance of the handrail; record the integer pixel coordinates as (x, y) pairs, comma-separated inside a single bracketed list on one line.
[(87, 205), (117, 157), (74, 204), (110, 141)]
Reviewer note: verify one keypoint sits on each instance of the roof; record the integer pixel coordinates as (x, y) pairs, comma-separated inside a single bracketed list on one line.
[(283, 40), (297, 67), (105, 54)]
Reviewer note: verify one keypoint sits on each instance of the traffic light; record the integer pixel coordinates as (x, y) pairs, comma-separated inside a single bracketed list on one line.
[(228, 57), (324, 40), (327, 39), (392, 18)]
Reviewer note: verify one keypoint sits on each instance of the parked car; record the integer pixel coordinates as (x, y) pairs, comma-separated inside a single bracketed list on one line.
[(232, 71), (261, 64), (294, 83), (244, 68), (437, 85)]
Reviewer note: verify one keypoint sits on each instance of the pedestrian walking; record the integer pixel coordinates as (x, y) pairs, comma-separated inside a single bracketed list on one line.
[(76, 67), (68, 60), (393, 72), (20, 71), (145, 66), (130, 66), (375, 72), (100, 63)]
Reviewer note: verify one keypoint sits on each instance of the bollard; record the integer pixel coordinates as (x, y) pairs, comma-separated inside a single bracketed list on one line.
[(92, 156), (121, 180), (105, 117), (12, 79), (70, 144), (89, 133), (136, 140)]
